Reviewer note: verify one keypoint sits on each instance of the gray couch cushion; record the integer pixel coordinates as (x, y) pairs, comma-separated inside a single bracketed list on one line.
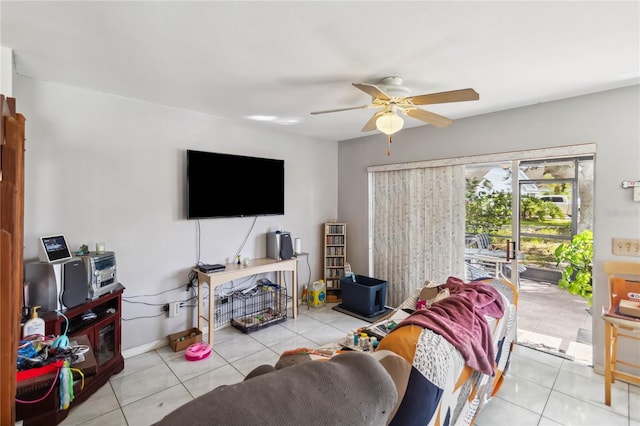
[(349, 389)]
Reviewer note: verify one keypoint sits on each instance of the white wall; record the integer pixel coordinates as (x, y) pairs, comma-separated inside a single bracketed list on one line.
[(6, 71), (100, 167), (107, 168), (609, 119)]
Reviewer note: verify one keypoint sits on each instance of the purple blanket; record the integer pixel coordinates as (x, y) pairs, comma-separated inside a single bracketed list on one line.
[(460, 319)]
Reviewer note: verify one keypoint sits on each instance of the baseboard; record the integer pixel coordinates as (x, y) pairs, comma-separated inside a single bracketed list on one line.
[(152, 346), (598, 368), (147, 347)]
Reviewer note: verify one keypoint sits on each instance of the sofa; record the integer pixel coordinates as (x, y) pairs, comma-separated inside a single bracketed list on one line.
[(348, 389)]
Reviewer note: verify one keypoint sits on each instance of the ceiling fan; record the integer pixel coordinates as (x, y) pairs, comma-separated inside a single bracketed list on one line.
[(391, 97)]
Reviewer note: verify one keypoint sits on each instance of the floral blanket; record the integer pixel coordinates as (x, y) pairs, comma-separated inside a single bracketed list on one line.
[(459, 349)]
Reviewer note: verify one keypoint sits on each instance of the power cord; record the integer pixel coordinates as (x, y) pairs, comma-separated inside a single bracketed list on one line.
[(255, 219), (182, 302), (143, 316), (199, 238), (197, 242), (309, 268), (220, 291), (62, 342), (156, 294)]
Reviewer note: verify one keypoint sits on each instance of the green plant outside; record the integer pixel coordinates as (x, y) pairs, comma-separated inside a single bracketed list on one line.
[(490, 212), (577, 260)]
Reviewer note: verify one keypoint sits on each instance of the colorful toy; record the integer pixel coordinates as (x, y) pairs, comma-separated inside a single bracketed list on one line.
[(197, 351), (66, 386)]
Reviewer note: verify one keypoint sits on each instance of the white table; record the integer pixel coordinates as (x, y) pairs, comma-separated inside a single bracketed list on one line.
[(234, 271)]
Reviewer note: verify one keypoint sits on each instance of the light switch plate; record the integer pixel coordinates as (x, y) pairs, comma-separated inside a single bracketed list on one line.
[(636, 194), (626, 246)]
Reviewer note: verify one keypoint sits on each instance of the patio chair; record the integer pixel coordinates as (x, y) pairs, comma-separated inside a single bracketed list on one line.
[(480, 241), (480, 244), (475, 271)]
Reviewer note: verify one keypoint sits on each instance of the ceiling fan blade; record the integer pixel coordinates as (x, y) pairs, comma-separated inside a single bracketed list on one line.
[(429, 117), (373, 91), (371, 124), (443, 97), (341, 109)]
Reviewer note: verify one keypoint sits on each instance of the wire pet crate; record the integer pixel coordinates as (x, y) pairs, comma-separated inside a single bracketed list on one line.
[(260, 307), (224, 310)]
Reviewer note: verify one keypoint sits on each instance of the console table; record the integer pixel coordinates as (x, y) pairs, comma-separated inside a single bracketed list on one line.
[(234, 271)]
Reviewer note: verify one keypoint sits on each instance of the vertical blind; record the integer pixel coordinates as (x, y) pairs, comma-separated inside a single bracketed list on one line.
[(418, 225)]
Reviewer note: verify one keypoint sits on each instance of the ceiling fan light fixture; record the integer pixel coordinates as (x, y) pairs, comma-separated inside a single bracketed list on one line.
[(389, 123)]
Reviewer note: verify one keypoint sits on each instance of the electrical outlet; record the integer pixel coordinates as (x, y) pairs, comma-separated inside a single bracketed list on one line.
[(626, 246), (174, 309)]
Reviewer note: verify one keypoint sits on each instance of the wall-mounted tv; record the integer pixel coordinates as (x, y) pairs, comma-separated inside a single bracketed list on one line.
[(226, 185)]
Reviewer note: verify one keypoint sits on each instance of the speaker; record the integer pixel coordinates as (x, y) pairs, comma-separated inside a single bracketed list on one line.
[(286, 246), (44, 285), (279, 245), (75, 285)]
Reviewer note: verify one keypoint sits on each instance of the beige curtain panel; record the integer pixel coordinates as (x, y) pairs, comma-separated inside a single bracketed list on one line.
[(418, 225)]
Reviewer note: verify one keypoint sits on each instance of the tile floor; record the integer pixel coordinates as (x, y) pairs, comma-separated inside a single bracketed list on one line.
[(541, 389)]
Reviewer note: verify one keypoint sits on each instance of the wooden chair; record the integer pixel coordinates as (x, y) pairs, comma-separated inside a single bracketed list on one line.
[(616, 327)]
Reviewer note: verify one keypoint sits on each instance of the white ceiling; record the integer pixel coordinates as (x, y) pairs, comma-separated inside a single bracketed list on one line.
[(285, 59)]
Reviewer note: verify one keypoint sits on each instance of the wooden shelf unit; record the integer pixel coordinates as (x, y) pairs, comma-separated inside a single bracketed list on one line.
[(335, 258)]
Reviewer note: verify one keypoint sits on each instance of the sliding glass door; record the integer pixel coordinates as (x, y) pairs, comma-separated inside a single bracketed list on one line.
[(491, 212), (555, 204)]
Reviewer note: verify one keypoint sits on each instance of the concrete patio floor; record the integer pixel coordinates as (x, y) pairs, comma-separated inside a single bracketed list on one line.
[(553, 320)]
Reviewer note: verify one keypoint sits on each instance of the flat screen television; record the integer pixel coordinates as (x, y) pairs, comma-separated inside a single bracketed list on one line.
[(226, 185)]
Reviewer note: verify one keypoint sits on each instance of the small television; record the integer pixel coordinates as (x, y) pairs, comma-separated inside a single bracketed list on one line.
[(226, 185)]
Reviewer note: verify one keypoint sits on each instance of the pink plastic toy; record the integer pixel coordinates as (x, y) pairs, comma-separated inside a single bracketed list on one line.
[(197, 351)]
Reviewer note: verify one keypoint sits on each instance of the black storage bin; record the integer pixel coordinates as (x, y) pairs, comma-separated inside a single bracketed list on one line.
[(366, 296)]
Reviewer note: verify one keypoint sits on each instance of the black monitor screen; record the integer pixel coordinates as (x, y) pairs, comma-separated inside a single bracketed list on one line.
[(225, 185)]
